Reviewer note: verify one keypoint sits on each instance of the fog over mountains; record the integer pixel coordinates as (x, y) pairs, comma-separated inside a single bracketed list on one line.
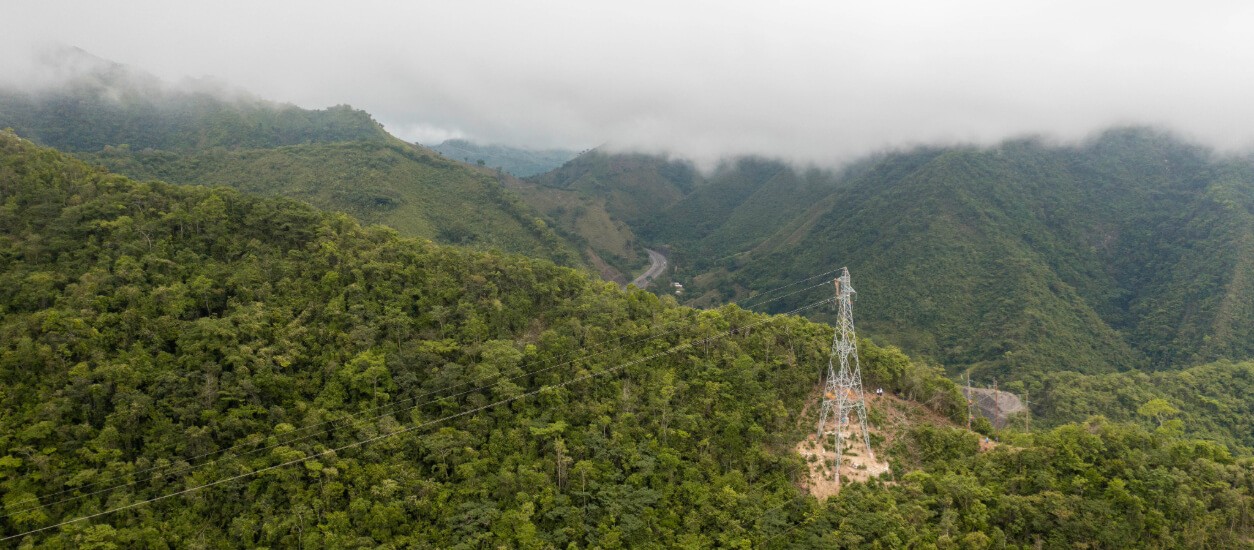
[(338, 158), (242, 304), (1105, 235), (513, 160), (814, 83)]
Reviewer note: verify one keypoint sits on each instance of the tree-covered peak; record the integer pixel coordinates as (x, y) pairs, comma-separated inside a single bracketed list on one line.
[(75, 101)]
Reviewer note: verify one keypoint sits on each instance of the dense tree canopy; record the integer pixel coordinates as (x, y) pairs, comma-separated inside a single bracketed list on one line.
[(155, 338), (1215, 400), (1129, 251)]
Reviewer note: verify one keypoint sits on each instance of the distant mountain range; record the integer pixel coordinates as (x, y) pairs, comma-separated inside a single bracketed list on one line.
[(1132, 250), (514, 161), (93, 103), (337, 158)]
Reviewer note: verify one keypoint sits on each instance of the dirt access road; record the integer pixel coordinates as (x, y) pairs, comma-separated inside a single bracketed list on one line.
[(658, 265)]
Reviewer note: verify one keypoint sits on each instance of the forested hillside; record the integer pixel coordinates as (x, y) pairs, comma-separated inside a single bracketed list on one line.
[(339, 158), (1212, 400), (604, 199), (635, 187), (310, 382), (96, 103), (1131, 250), (390, 182)]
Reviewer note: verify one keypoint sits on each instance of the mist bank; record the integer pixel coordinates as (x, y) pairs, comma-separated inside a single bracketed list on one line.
[(836, 164), (819, 104)]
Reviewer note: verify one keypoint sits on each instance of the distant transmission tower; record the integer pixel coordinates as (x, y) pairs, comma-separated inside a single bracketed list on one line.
[(970, 403), (843, 392)]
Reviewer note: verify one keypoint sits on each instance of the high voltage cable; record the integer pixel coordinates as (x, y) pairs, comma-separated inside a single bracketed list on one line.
[(794, 527), (781, 505), (348, 418), (747, 306), (789, 285), (768, 540), (790, 529), (366, 441)]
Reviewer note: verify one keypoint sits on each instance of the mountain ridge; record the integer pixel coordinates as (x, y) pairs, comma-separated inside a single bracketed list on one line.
[(337, 158), (92, 103), (1108, 243), (195, 366)]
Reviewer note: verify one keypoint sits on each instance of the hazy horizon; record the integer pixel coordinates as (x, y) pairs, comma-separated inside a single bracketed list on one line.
[(814, 83)]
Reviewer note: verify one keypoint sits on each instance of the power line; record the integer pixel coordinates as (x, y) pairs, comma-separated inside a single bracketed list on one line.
[(751, 305), (366, 441), (808, 279), (787, 531), (348, 419), (36, 500), (768, 511), (793, 527)]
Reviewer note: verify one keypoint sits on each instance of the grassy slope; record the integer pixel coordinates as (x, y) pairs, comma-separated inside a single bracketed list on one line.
[(586, 218), (944, 265), (636, 188), (605, 199), (1106, 268), (112, 110), (389, 182)]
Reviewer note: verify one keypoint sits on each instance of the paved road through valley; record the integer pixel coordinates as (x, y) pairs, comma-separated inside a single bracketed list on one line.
[(658, 261)]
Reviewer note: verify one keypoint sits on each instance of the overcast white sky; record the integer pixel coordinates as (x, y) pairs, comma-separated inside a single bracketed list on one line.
[(813, 81)]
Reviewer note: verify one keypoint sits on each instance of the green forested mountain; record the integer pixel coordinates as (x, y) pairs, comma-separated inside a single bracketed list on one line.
[(634, 187), (604, 198), (514, 161), (157, 338), (338, 158), (97, 103), (608, 243), (1131, 250), (388, 182)]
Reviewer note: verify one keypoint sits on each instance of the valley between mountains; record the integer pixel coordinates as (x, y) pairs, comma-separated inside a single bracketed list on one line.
[(231, 322)]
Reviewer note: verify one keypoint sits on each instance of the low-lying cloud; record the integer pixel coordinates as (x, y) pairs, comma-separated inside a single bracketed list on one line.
[(818, 82)]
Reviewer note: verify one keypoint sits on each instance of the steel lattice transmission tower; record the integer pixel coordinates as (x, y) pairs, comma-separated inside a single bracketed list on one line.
[(843, 392)]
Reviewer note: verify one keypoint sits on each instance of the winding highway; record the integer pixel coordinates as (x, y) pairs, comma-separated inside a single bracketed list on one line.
[(657, 265)]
